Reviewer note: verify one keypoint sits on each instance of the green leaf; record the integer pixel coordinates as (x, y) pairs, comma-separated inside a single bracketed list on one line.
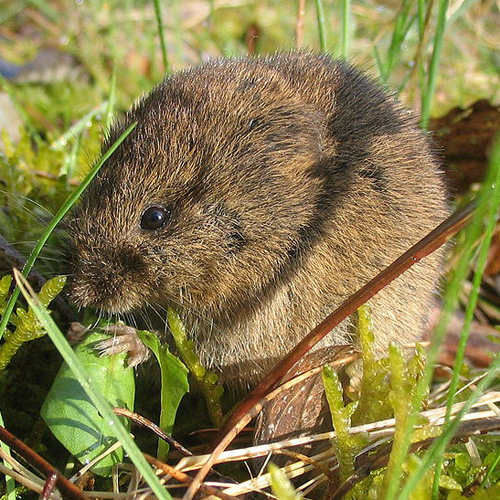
[(72, 417), (174, 385)]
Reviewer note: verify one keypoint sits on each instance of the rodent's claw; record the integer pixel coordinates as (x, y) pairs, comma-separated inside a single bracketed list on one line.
[(125, 339), (76, 332)]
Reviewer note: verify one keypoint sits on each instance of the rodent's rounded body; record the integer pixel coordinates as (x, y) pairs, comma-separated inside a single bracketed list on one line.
[(288, 182)]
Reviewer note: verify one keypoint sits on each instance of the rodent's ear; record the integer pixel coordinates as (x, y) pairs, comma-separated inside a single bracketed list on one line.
[(294, 135)]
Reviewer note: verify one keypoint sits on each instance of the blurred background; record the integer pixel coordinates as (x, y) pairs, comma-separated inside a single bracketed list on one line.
[(68, 67)]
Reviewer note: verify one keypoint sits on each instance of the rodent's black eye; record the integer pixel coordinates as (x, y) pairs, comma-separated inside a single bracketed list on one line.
[(155, 217)]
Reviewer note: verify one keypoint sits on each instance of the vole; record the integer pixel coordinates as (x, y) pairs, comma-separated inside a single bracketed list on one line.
[(254, 196)]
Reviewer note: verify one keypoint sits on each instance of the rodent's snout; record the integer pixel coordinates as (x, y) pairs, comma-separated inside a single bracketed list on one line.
[(107, 278)]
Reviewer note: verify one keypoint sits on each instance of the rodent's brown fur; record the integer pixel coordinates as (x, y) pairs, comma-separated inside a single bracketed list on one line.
[(292, 181)]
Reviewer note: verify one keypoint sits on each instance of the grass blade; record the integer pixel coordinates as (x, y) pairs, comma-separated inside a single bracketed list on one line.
[(459, 11), (402, 25), (161, 33), (84, 379), (345, 29), (320, 16), (378, 61), (53, 223), (433, 68)]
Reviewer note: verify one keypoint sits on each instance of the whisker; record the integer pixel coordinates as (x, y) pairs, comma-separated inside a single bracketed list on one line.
[(18, 198)]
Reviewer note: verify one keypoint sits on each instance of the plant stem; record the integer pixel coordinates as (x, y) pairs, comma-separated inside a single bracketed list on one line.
[(345, 32), (161, 33), (433, 68), (320, 15)]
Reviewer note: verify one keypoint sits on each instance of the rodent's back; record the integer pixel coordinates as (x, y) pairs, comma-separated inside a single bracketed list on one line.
[(290, 181)]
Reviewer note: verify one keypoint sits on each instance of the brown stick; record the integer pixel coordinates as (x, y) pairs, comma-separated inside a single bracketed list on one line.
[(435, 239), (50, 484), (185, 478), (67, 489), (299, 25), (156, 429)]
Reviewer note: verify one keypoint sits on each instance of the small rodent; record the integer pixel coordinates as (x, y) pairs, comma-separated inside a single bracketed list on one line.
[(254, 196)]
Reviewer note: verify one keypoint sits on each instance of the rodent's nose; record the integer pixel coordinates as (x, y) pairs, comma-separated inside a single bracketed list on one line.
[(105, 295), (109, 279)]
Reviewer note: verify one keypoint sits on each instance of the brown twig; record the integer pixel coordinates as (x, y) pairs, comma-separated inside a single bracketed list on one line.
[(252, 37), (299, 25), (67, 489), (185, 478), (49, 485), (435, 239), (144, 422)]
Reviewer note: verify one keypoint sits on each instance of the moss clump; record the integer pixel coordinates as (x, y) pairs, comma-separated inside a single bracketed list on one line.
[(27, 326)]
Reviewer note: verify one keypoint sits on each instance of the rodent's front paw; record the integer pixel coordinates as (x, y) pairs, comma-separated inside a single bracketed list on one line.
[(125, 339)]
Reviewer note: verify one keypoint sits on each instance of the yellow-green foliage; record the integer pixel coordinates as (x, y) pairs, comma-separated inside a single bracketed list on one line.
[(282, 488), (403, 378), (26, 324), (346, 445), (422, 489), (492, 493), (387, 390), (5, 283), (374, 390), (33, 181), (207, 381)]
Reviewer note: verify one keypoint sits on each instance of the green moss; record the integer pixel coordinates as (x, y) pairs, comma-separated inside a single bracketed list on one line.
[(345, 444), (375, 386), (207, 381), (403, 381), (27, 327)]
